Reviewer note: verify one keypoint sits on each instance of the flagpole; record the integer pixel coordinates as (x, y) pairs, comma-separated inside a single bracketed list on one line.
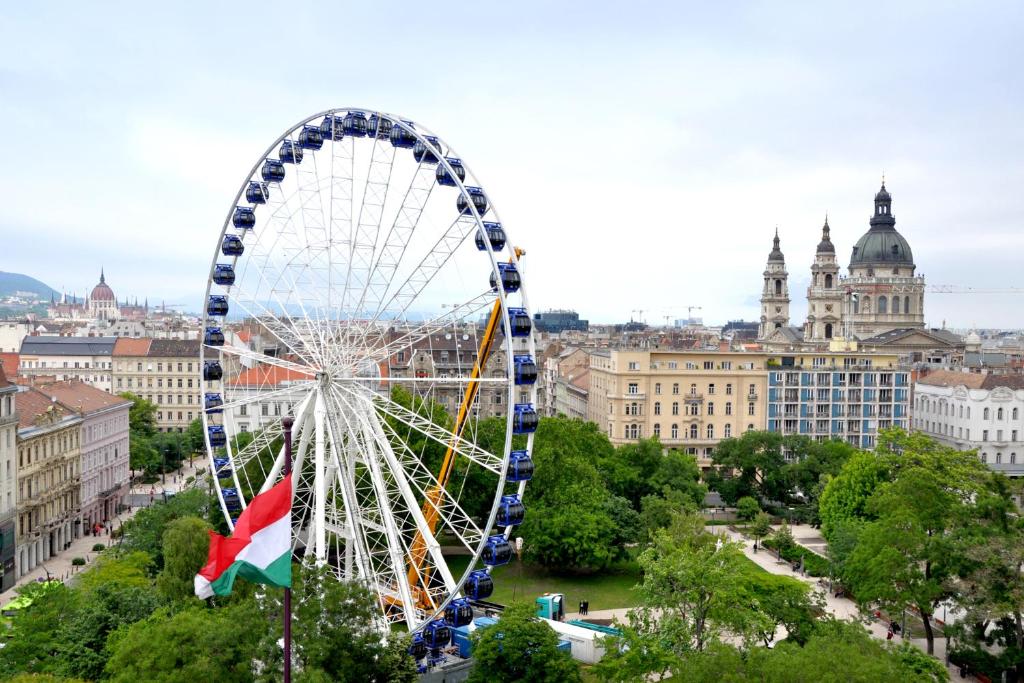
[(287, 424)]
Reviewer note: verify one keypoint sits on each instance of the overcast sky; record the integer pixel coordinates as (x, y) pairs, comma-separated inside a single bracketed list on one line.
[(643, 153)]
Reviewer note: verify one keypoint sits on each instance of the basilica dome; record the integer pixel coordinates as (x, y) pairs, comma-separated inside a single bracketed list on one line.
[(882, 244)]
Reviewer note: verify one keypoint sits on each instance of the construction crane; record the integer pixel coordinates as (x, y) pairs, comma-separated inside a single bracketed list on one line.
[(960, 289), (640, 312)]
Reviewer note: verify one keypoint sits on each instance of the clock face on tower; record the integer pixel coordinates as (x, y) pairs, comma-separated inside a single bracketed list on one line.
[(828, 307), (778, 309)]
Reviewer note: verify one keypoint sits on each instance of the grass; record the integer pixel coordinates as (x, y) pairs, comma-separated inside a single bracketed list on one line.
[(610, 589)]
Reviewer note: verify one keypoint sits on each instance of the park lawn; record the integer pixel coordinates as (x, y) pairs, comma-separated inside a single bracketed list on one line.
[(610, 589)]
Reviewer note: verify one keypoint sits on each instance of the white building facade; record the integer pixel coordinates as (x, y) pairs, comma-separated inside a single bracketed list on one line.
[(8, 482), (972, 411)]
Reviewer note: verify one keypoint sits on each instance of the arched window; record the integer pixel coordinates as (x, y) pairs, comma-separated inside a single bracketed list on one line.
[(711, 431), (750, 428), (866, 304), (828, 330), (968, 412), (657, 429), (895, 304), (675, 408), (728, 408), (999, 413), (1013, 458), (728, 430), (657, 408), (828, 280), (693, 390), (906, 304), (961, 411), (778, 288), (1016, 413), (711, 407), (984, 457), (675, 431), (856, 304), (985, 414), (883, 305), (999, 458)]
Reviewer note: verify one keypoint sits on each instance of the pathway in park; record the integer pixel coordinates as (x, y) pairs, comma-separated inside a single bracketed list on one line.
[(59, 566), (840, 607)]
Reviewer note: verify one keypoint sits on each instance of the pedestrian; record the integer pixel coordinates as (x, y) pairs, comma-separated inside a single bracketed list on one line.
[(586, 607), (888, 636), (581, 612)]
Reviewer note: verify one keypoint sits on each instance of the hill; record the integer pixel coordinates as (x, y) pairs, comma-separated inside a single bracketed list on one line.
[(16, 282)]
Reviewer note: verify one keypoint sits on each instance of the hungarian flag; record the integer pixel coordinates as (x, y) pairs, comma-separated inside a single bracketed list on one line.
[(260, 548)]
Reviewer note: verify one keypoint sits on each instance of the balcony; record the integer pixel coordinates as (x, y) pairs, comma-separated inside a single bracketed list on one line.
[(693, 398), (633, 397)]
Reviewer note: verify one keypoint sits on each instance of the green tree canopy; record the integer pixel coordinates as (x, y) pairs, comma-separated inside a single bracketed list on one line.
[(520, 647), (186, 544)]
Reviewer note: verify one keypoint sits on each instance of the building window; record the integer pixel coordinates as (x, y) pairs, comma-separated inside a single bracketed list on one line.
[(634, 365), (752, 391), (984, 435), (728, 408), (999, 413), (693, 390), (985, 414), (672, 365), (675, 408), (711, 407), (728, 430), (657, 408), (675, 388), (711, 431), (657, 388), (693, 431), (728, 389), (711, 388), (657, 429), (675, 431), (750, 427), (750, 408), (633, 388)]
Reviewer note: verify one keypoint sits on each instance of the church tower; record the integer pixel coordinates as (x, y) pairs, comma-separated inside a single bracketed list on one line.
[(824, 297), (775, 296)]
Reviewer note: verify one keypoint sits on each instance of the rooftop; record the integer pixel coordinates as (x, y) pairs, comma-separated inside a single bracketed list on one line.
[(68, 346), (82, 397), (33, 404), (126, 346)]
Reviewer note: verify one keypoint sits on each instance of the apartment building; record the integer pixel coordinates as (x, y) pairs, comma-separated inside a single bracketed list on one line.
[(49, 477), (844, 395), (690, 400), (971, 411), (104, 454), (165, 372), (87, 359), (8, 482)]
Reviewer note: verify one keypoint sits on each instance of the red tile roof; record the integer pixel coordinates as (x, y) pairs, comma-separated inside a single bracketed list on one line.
[(32, 403), (82, 397), (126, 346), (949, 378)]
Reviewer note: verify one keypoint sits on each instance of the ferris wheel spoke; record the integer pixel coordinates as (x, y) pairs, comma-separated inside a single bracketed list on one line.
[(424, 426), (263, 359), (287, 335)]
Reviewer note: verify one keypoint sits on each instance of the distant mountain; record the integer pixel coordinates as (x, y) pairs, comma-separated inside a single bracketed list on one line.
[(16, 282)]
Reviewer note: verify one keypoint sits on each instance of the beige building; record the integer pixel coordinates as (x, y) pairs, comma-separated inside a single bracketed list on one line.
[(8, 481), (165, 372), (49, 477), (690, 400)]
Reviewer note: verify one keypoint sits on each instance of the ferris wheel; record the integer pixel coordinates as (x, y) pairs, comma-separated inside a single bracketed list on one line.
[(364, 288)]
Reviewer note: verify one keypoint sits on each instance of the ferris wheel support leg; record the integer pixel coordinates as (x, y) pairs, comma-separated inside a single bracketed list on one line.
[(319, 485), (354, 541), (275, 471)]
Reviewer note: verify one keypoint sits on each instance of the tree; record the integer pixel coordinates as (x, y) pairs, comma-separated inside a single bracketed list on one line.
[(761, 527), (520, 647), (145, 531), (782, 601), (812, 465), (196, 437), (783, 539), (751, 465), (657, 512), (35, 630), (141, 415), (333, 633), (846, 495), (194, 644), (186, 545), (629, 471), (747, 508), (629, 528), (679, 472)]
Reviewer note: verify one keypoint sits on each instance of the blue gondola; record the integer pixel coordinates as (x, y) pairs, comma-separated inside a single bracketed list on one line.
[(217, 436), (511, 511), (217, 305), (510, 280), (379, 127), (224, 274), (497, 551), (310, 137), (417, 648), (212, 371), (520, 321), (229, 492), (290, 152), (525, 370), (525, 420), (403, 137), (436, 634), (479, 585), (332, 128), (355, 124), (213, 403), (257, 193), (232, 245), (244, 217), (423, 150), (495, 235), (233, 505), (444, 177), (234, 521), (273, 171), (459, 612), (213, 337), (222, 467), (520, 466), (479, 201)]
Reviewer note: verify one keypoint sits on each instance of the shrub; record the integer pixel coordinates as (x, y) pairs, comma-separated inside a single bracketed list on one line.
[(747, 508), (78, 562), (98, 547)]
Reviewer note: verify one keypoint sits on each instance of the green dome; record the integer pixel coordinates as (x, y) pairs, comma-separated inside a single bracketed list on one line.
[(884, 246)]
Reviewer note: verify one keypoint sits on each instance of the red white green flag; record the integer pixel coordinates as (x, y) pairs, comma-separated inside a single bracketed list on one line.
[(260, 548)]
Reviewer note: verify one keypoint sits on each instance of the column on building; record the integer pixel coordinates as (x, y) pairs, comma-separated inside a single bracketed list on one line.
[(775, 296)]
